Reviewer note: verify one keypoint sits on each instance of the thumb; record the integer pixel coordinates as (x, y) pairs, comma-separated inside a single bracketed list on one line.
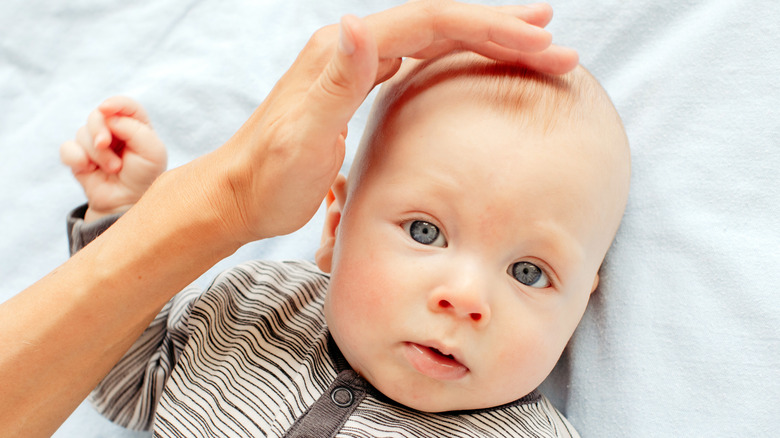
[(345, 81)]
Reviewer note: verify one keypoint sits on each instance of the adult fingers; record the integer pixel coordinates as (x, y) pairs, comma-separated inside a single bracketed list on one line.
[(538, 14), (387, 68), (411, 28), (344, 82), (554, 60)]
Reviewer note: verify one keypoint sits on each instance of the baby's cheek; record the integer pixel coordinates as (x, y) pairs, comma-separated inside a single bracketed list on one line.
[(350, 307), (368, 286), (526, 360)]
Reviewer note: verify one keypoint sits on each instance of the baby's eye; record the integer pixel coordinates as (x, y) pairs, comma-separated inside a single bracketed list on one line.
[(425, 233), (529, 274)]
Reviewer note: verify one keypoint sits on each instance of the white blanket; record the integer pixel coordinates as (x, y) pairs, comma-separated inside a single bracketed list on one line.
[(681, 338)]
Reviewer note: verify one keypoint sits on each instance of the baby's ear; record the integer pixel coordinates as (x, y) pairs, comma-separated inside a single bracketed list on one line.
[(334, 204), (595, 284)]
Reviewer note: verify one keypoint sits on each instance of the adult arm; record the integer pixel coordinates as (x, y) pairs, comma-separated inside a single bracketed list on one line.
[(60, 336)]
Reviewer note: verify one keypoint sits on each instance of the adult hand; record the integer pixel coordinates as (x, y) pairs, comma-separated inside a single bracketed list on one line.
[(283, 160)]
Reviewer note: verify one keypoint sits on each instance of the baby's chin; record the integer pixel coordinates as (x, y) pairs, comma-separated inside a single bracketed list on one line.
[(434, 398)]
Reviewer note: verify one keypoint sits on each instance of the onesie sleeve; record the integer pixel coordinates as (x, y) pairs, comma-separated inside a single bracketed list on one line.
[(131, 391), (128, 395), (81, 233)]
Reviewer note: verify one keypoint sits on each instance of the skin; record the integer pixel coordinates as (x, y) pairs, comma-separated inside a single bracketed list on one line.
[(392, 299), (61, 335), (119, 136)]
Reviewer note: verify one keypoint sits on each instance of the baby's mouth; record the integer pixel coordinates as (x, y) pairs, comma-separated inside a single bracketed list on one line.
[(432, 362), (448, 356)]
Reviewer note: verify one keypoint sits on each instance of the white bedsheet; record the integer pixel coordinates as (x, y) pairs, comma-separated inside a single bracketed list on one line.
[(681, 338)]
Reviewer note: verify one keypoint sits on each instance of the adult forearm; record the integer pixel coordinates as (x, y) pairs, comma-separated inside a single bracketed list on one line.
[(64, 333)]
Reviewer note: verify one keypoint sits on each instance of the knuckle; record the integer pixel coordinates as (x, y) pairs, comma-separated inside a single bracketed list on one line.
[(434, 11), (323, 38), (321, 45), (95, 116), (335, 82), (431, 7), (83, 136)]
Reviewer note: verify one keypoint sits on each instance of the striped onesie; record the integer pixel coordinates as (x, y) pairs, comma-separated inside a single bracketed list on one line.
[(251, 356)]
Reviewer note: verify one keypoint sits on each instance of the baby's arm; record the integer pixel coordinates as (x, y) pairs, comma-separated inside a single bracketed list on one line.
[(116, 156)]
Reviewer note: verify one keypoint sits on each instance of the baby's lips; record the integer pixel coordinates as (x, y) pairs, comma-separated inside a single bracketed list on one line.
[(434, 363)]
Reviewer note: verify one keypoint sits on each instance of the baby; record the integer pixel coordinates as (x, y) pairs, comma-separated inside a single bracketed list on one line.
[(456, 261)]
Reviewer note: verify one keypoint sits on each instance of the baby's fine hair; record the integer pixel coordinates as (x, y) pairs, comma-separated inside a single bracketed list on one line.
[(538, 99), (532, 99)]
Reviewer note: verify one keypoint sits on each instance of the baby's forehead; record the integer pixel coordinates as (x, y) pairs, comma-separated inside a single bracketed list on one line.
[(512, 89), (532, 101), (513, 103), (450, 136)]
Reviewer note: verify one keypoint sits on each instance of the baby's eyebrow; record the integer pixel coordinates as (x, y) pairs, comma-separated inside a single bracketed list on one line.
[(558, 248)]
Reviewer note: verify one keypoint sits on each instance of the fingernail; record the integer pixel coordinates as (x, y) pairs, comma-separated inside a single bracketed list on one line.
[(346, 44)]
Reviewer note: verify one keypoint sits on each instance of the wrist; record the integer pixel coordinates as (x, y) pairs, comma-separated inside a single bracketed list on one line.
[(93, 214), (186, 207)]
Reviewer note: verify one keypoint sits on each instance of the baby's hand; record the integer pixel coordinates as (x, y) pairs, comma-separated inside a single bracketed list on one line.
[(116, 156)]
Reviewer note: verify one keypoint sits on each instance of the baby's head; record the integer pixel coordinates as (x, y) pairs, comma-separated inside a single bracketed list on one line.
[(467, 240)]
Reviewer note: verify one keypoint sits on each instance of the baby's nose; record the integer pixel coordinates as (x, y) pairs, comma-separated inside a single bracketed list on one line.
[(466, 298)]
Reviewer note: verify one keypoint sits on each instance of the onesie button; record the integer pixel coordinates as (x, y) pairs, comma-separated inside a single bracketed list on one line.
[(342, 397)]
